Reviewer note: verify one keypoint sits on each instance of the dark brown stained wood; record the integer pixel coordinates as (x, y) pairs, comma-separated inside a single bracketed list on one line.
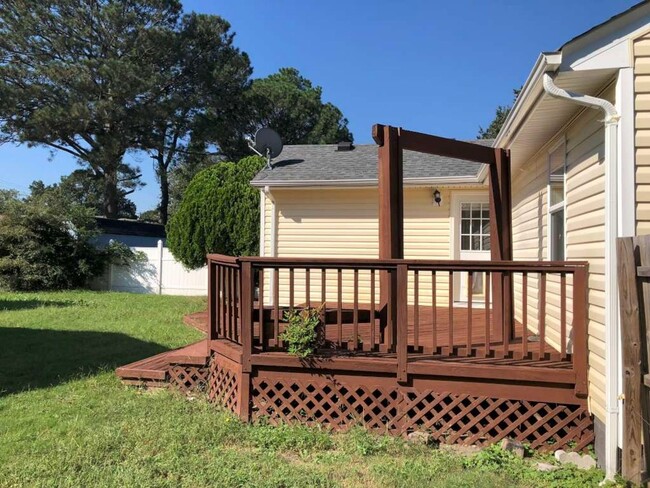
[(391, 202), (401, 304), (580, 361), (450, 341), (276, 306), (291, 288), (260, 306), (563, 315), (441, 146), (238, 321), (470, 283), (434, 325), (247, 300), (323, 288), (416, 310), (643, 243), (354, 342), (524, 314), (233, 304), (339, 314), (307, 288), (373, 308), (245, 396), (212, 301), (222, 301), (632, 466), (542, 314)]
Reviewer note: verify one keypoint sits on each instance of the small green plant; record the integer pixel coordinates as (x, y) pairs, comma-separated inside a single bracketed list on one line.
[(301, 334)]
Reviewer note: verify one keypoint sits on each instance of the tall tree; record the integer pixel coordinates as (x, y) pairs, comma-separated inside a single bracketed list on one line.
[(81, 76), (84, 188), (291, 105), (502, 112), (205, 77)]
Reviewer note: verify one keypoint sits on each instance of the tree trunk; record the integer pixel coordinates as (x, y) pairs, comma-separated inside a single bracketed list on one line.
[(164, 191), (111, 197)]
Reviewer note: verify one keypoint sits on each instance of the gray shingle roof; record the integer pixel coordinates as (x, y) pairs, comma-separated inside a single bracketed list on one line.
[(323, 163)]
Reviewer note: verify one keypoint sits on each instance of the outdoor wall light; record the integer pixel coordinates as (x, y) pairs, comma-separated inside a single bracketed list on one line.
[(437, 197)]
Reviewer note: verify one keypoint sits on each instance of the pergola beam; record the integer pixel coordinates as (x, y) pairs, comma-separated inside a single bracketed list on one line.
[(392, 141)]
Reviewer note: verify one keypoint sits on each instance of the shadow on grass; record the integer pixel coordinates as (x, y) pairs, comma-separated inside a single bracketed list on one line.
[(38, 358), (29, 304)]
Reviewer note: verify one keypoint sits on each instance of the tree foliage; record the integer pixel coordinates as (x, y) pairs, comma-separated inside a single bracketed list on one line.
[(502, 112), (84, 188), (41, 247), (219, 213), (291, 105), (209, 78), (80, 76)]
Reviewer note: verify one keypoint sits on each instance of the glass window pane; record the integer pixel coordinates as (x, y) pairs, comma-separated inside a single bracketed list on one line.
[(557, 235), (477, 283), (486, 226), (557, 193), (465, 210), (476, 226), (476, 243), (464, 243), (486, 212), (464, 226), (476, 212), (486, 243)]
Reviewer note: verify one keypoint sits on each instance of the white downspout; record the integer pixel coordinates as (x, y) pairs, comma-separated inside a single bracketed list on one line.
[(274, 239), (611, 292)]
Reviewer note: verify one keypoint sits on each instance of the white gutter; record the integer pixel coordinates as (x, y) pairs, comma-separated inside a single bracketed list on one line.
[(611, 292)]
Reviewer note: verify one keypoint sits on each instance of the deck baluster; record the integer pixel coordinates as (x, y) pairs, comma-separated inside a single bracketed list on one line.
[(354, 342), (450, 338), (488, 314), (524, 314), (276, 307), (563, 315), (542, 315), (339, 308), (416, 311), (260, 307), (434, 315), (372, 310)]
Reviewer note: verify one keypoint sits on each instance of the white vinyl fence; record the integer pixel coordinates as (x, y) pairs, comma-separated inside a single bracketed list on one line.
[(160, 273)]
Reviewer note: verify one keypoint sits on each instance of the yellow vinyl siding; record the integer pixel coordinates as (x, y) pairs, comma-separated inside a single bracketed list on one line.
[(344, 223), (584, 237), (642, 132)]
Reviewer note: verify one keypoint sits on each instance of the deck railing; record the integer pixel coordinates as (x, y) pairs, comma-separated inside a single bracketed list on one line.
[(408, 309)]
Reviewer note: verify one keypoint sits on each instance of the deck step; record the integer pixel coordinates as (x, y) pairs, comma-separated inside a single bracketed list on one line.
[(154, 369)]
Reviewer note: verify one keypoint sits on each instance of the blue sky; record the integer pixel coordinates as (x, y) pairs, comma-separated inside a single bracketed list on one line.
[(431, 66)]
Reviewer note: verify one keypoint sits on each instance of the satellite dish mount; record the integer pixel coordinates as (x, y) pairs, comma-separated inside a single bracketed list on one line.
[(266, 143)]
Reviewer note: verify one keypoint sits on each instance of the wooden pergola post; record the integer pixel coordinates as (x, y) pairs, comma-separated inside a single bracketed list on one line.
[(391, 219), (392, 141)]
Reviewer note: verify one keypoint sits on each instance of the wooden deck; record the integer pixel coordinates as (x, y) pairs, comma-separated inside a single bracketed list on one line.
[(153, 371)]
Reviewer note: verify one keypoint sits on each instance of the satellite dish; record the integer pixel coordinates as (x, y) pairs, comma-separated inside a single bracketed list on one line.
[(267, 143)]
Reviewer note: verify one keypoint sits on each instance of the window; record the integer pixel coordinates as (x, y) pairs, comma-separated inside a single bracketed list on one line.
[(556, 204), (475, 227)]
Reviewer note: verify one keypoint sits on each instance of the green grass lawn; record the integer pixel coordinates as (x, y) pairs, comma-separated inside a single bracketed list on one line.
[(66, 420)]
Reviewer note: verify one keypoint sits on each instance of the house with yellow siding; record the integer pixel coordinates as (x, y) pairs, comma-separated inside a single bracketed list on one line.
[(579, 143)]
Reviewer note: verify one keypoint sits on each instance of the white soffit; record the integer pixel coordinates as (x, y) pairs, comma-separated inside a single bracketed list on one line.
[(550, 114)]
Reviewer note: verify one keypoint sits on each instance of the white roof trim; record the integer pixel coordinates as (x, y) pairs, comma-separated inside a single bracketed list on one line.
[(370, 182)]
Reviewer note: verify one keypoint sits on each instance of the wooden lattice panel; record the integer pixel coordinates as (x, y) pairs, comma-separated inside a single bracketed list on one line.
[(188, 379), (328, 403), (451, 418), (465, 419), (223, 383)]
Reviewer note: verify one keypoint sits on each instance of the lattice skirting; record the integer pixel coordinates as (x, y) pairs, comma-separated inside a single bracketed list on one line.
[(451, 418), (188, 379), (224, 383)]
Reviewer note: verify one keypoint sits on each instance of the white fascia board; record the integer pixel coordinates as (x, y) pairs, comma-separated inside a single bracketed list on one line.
[(528, 97)]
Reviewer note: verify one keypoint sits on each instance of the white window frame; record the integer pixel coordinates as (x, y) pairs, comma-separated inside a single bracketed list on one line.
[(551, 209)]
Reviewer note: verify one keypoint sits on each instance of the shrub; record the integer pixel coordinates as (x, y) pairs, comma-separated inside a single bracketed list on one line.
[(301, 334), (219, 213), (43, 248)]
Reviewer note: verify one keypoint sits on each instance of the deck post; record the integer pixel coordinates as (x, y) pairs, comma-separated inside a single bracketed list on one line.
[(400, 316), (212, 302), (391, 212), (247, 285), (579, 356), (501, 242)]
